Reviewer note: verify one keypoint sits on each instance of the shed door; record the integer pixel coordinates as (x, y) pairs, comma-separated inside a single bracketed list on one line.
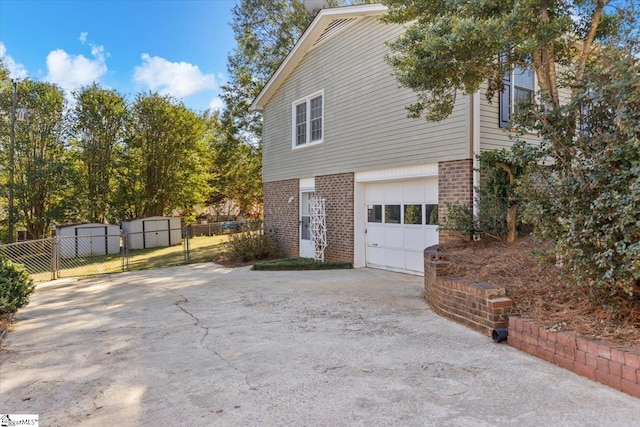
[(400, 224), (95, 242)]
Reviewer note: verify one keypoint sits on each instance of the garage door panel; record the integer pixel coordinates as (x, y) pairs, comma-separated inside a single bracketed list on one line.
[(375, 234), (413, 237), (414, 260), (393, 236), (375, 256), (394, 258), (393, 191)]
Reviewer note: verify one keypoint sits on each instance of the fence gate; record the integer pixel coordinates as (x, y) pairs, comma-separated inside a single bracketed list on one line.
[(93, 254)]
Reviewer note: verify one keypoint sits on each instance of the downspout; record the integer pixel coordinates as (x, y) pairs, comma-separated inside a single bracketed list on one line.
[(475, 142)]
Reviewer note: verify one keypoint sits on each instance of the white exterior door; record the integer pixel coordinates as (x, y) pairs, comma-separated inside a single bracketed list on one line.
[(400, 223), (307, 250)]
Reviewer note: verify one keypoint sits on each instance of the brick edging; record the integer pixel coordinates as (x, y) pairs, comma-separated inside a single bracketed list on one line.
[(616, 367)]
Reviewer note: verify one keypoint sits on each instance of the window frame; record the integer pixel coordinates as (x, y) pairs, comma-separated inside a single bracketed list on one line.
[(308, 121), (507, 105)]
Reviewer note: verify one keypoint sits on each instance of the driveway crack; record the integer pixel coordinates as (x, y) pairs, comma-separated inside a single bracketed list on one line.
[(196, 323)]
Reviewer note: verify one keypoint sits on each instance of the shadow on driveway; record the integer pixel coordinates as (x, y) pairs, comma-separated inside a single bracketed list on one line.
[(203, 345)]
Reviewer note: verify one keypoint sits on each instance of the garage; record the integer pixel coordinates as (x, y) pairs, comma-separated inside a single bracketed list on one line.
[(401, 221)]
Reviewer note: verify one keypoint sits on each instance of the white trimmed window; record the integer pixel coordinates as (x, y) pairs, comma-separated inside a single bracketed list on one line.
[(307, 120), (519, 88)]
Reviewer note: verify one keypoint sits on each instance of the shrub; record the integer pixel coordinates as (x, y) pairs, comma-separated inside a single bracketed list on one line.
[(254, 245), (301, 264), (460, 221), (497, 199), (588, 198), (15, 286)]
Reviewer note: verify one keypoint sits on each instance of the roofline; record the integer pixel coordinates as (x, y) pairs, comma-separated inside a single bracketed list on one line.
[(306, 41)]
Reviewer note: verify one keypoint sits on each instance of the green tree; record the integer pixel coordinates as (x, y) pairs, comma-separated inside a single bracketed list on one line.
[(588, 199), (99, 124), (166, 160), (455, 46), (5, 132), (236, 170), (43, 172)]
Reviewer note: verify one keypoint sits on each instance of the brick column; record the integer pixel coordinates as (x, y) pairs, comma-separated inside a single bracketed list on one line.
[(282, 216), (455, 186), (338, 190)]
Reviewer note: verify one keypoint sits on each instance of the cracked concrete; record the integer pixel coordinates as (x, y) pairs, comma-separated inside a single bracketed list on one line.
[(203, 345)]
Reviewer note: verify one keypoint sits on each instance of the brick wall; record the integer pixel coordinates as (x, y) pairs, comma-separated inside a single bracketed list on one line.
[(282, 216), (455, 185), (477, 305), (617, 367), (338, 191)]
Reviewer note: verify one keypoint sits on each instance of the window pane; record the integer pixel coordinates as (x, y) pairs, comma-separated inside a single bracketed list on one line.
[(392, 214), (301, 124), (316, 129), (316, 118), (521, 99), (413, 214), (305, 230), (523, 77), (305, 201), (301, 134), (374, 213), (431, 214), (316, 107)]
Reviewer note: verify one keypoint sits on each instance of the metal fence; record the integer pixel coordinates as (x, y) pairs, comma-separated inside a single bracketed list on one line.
[(86, 255)]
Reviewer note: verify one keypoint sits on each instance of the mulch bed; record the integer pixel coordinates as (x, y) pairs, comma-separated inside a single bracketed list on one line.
[(541, 290)]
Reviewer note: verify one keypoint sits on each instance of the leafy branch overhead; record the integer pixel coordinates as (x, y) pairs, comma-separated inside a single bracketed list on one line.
[(457, 46)]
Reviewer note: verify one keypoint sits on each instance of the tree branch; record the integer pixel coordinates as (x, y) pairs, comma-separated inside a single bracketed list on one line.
[(588, 41)]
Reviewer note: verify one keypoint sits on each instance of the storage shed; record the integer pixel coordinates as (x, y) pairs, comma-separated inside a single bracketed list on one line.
[(83, 240), (152, 232)]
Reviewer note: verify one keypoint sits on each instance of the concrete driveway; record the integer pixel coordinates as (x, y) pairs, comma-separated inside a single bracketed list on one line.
[(202, 345)]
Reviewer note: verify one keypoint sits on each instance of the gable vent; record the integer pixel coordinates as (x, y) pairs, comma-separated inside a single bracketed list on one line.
[(333, 28)]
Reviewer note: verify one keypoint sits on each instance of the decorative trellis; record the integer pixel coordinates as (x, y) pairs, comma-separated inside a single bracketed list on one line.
[(318, 226)]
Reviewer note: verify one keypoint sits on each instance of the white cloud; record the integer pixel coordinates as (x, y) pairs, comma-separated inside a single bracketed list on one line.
[(179, 79), (16, 70), (73, 71), (83, 37), (216, 104)]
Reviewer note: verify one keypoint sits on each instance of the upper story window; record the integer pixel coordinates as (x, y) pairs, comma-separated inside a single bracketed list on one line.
[(307, 120), (518, 91)]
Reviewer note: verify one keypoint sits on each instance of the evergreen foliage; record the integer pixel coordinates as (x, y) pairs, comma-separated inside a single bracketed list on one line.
[(15, 286)]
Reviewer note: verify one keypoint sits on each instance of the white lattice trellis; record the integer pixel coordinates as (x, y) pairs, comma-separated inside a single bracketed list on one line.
[(318, 226)]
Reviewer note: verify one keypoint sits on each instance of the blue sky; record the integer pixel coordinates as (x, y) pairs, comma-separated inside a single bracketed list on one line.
[(176, 47)]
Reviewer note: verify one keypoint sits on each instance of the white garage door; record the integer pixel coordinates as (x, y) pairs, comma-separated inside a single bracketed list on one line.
[(400, 223)]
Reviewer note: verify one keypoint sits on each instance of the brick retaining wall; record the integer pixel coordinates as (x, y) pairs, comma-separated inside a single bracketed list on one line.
[(617, 367), (477, 305)]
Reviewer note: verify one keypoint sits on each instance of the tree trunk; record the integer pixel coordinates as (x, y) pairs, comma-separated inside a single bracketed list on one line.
[(511, 224)]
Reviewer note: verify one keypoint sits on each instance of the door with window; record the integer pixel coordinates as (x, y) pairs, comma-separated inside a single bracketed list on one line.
[(307, 249)]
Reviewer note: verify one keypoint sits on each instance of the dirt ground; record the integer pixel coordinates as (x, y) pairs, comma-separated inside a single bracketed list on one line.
[(540, 288)]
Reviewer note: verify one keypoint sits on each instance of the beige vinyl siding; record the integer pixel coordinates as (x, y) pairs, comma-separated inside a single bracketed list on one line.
[(365, 120), (492, 136)]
